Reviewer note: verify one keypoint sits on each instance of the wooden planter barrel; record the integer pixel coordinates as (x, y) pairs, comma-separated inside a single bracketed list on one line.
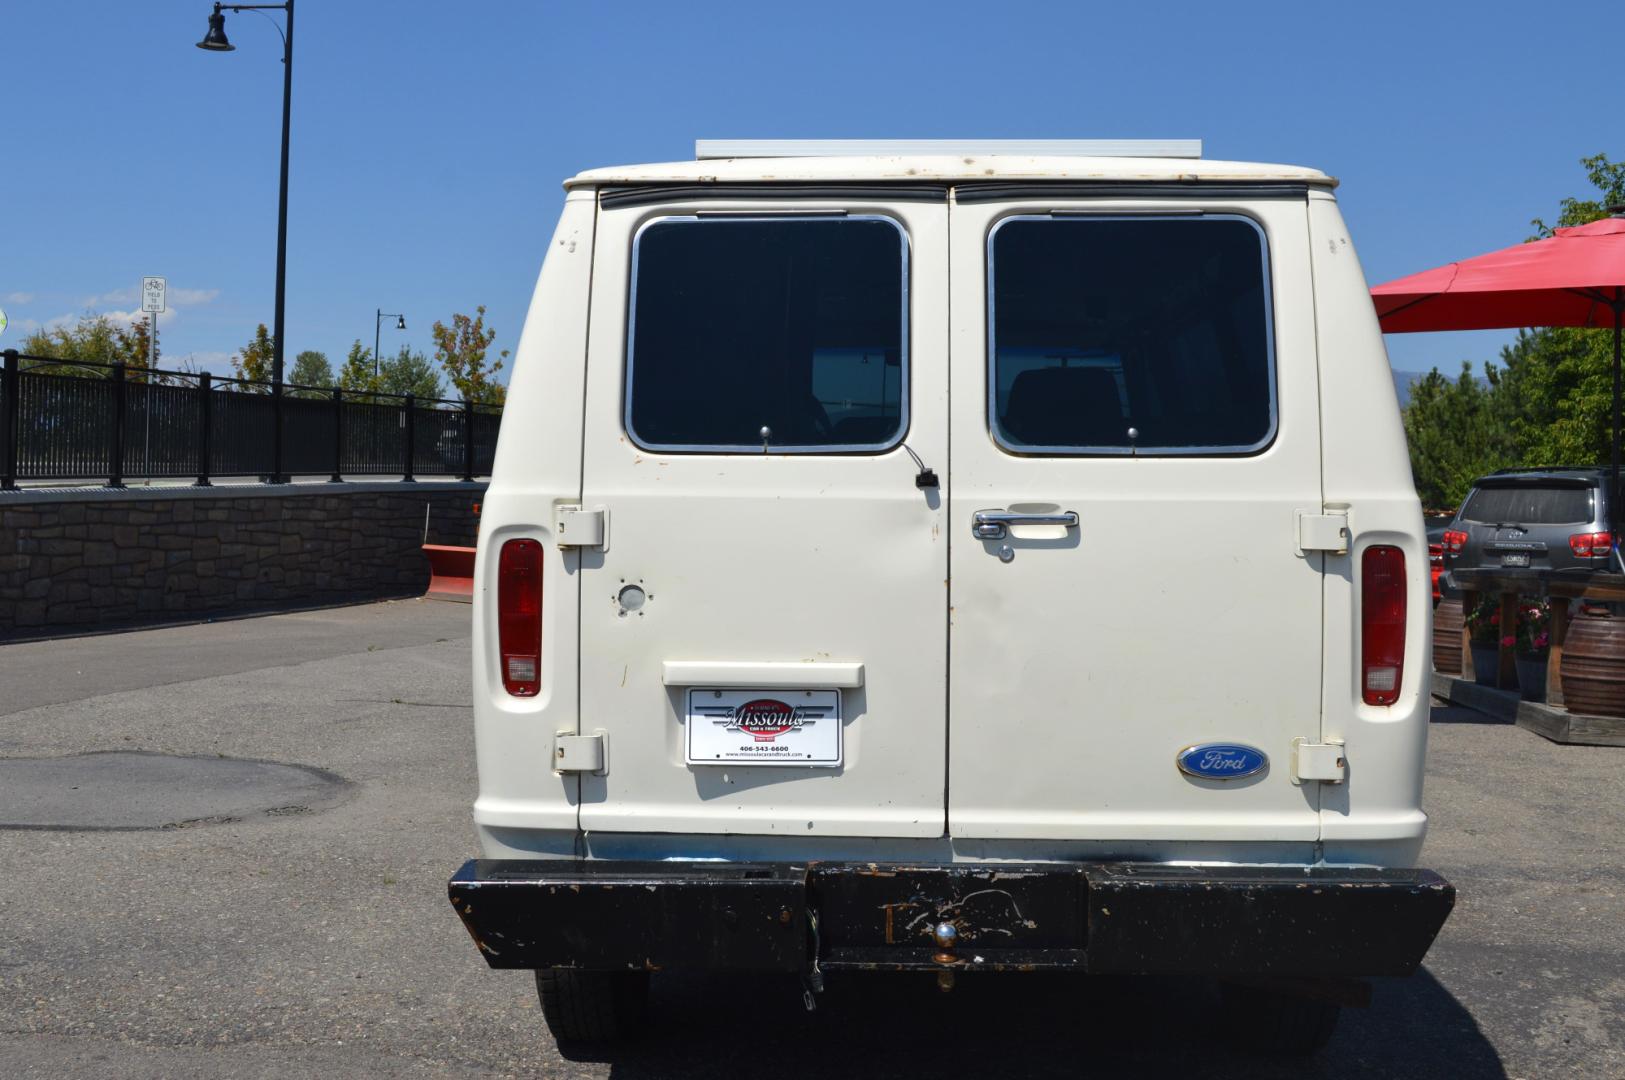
[(1447, 620), (1593, 664)]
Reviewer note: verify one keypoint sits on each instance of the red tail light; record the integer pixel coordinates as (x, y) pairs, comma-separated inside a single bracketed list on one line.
[(1435, 554), (1382, 624), (1454, 541), (1591, 545), (519, 616)]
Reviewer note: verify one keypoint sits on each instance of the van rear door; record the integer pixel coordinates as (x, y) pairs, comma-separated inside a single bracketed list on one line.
[(1135, 432), (763, 630)]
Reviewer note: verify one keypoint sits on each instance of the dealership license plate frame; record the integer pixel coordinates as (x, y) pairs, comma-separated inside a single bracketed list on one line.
[(811, 737), (1515, 558)]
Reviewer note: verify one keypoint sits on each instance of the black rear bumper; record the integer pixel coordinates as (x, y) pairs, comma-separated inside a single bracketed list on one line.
[(1094, 917)]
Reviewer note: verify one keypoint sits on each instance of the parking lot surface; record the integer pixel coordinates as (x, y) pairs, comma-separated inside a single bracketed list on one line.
[(313, 938)]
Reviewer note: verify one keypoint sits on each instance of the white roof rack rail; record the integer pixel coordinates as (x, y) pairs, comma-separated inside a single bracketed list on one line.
[(712, 149)]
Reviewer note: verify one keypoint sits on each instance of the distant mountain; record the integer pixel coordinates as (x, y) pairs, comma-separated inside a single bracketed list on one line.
[(1404, 379), (1402, 385)]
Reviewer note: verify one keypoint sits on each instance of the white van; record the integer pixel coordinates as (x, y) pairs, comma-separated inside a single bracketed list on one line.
[(952, 558)]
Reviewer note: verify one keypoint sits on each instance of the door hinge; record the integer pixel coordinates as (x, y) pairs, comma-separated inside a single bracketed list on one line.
[(581, 753), (1321, 761), (1327, 531), (577, 526)]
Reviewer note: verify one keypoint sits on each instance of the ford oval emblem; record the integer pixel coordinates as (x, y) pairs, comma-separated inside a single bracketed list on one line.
[(1222, 761)]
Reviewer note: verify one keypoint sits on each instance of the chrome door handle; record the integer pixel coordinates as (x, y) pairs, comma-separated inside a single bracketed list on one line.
[(992, 524)]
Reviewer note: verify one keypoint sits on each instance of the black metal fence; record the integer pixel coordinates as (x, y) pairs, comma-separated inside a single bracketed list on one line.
[(112, 422)]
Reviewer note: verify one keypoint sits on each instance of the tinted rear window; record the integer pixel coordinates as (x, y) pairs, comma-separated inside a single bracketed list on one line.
[(1529, 505), (796, 325), (1101, 325)]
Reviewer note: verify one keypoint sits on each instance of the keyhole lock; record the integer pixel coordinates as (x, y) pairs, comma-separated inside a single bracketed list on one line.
[(1006, 553)]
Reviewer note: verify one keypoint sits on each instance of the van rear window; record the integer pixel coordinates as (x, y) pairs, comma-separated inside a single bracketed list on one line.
[(785, 334), (1115, 335), (1528, 504)]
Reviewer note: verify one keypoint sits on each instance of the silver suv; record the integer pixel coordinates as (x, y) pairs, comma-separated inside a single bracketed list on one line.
[(1539, 519)]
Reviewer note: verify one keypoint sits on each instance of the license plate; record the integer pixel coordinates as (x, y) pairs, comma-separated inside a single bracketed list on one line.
[(1515, 558), (763, 727)]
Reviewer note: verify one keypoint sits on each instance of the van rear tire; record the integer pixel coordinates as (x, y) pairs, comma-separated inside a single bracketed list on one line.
[(1284, 1024), (593, 1006)]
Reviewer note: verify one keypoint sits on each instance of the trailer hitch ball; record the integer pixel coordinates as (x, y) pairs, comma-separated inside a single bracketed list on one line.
[(946, 935)]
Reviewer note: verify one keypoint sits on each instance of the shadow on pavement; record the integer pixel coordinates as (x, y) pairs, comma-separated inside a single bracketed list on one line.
[(1025, 1025), (1460, 714)]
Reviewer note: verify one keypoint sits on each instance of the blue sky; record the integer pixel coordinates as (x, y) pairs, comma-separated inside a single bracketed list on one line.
[(429, 139)]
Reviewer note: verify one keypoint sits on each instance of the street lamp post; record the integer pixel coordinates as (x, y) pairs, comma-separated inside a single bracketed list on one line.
[(400, 324), (215, 41)]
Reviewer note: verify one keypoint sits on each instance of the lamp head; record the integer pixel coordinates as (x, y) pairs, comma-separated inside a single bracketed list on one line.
[(400, 322), (215, 39)]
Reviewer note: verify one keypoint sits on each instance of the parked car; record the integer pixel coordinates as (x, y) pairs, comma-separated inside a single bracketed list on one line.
[(765, 681), (1435, 535), (1539, 519)]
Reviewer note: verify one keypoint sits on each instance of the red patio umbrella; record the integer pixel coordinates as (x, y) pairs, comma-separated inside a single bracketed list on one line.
[(1575, 277)]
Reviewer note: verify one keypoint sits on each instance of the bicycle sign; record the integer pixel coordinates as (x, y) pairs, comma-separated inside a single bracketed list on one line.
[(152, 294)]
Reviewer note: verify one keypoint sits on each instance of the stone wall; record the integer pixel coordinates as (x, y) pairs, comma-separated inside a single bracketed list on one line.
[(72, 560)]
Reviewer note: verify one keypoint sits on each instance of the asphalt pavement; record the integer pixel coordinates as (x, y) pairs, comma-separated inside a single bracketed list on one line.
[(311, 936)]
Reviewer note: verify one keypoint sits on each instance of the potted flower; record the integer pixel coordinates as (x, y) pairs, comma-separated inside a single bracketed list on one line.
[(1533, 644), (1484, 638)]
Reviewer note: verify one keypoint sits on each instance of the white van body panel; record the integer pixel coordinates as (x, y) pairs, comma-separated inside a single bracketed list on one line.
[(948, 168), (833, 562), (1379, 811), (1178, 611), (1183, 614), (538, 466)]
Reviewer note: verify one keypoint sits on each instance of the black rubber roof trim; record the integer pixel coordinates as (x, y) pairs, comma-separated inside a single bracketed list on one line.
[(1526, 470), (660, 193), (1542, 479), (994, 190)]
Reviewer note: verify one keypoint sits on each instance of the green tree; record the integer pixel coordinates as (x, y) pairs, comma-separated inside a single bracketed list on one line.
[(1455, 435), (1608, 177), (1557, 383), (460, 350), (310, 368), (253, 361), (410, 372), (94, 339), (1559, 380), (357, 373), (140, 346)]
